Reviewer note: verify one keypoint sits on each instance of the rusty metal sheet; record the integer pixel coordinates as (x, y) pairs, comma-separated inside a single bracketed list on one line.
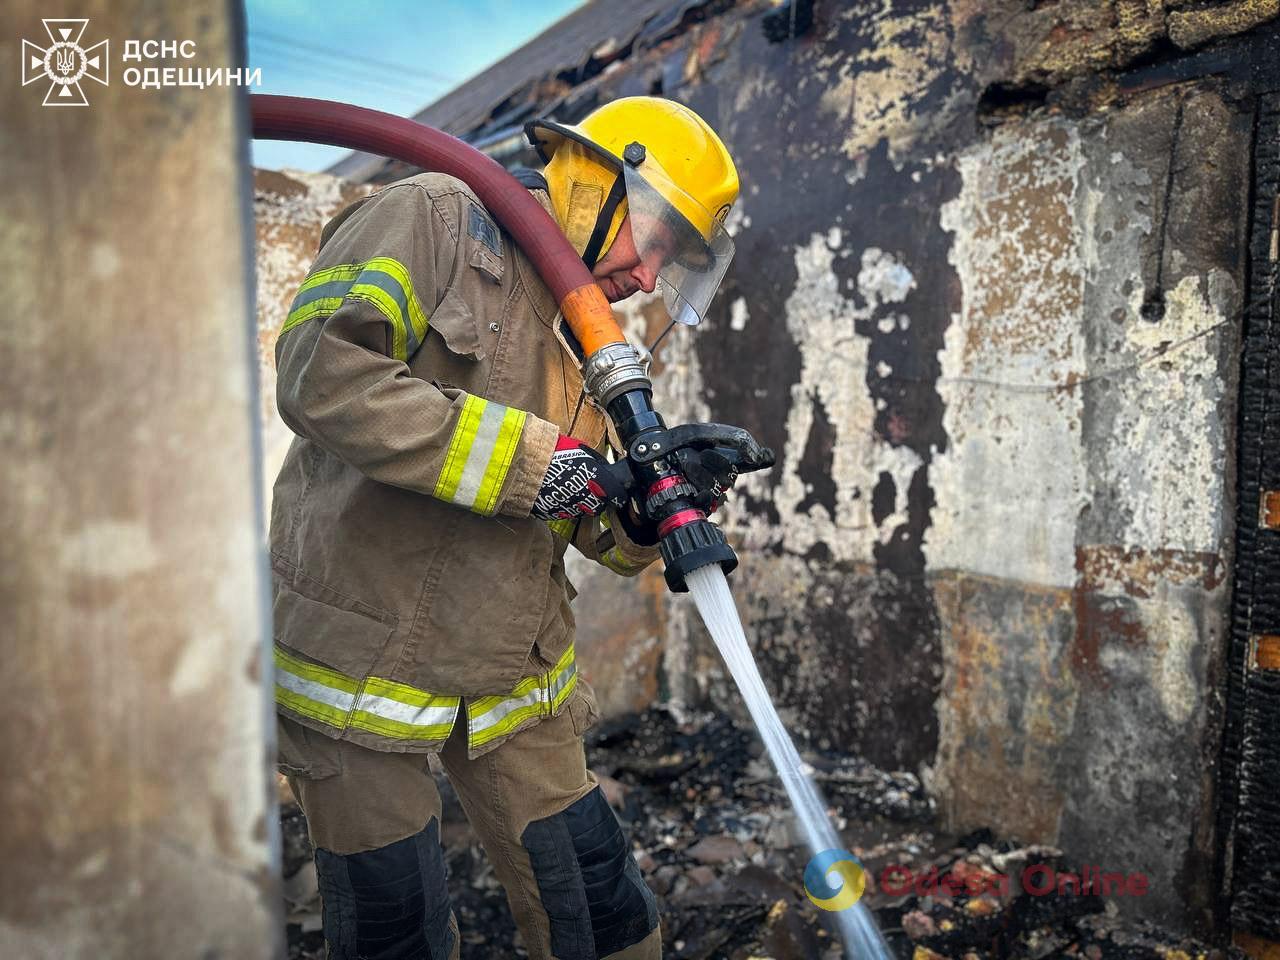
[(1264, 652), (1269, 514)]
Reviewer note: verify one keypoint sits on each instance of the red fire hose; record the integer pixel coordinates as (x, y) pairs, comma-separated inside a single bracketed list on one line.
[(342, 125)]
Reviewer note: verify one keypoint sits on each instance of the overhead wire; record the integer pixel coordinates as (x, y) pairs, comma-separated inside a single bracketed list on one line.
[(342, 86), (347, 73), (350, 57)]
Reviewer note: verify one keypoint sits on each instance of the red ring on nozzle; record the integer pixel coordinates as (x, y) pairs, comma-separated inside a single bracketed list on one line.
[(663, 483), (680, 519)]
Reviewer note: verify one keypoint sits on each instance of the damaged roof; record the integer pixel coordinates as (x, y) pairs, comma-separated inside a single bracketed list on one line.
[(492, 106)]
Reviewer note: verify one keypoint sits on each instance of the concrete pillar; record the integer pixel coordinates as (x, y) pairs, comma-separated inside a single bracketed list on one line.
[(136, 818)]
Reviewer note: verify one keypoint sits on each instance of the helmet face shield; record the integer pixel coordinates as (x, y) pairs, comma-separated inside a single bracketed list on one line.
[(678, 239)]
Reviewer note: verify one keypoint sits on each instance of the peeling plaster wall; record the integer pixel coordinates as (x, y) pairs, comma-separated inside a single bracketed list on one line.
[(1009, 362), (1097, 416), (997, 363)]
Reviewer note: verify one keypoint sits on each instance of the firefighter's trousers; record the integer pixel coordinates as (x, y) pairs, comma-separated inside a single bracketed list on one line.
[(555, 845)]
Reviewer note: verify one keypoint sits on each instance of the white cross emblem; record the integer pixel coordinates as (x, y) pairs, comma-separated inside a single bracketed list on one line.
[(65, 63)]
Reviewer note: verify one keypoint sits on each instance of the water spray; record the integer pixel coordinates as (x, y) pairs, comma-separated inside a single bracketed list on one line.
[(694, 551)]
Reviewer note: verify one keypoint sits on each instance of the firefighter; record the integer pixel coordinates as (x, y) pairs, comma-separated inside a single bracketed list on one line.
[(446, 457)]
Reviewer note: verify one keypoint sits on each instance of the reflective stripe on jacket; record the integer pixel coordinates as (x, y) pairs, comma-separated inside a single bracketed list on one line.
[(420, 369), (396, 712)]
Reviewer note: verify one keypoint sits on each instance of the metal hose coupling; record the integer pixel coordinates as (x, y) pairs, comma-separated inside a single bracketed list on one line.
[(613, 370), (659, 458)]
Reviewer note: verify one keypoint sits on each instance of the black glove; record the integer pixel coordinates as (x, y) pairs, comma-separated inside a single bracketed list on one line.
[(710, 455), (639, 529), (579, 482), (711, 472)]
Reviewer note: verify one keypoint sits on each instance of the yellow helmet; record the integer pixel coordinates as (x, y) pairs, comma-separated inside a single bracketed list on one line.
[(661, 162)]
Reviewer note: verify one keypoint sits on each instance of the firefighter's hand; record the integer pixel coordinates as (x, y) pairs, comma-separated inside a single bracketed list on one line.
[(639, 529), (579, 482), (711, 472)]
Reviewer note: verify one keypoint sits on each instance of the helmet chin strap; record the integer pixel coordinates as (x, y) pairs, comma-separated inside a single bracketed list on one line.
[(617, 193)]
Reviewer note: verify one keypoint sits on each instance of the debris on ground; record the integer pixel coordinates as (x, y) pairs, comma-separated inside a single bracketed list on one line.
[(712, 834)]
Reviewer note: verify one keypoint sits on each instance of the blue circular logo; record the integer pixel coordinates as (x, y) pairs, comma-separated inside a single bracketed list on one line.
[(841, 891)]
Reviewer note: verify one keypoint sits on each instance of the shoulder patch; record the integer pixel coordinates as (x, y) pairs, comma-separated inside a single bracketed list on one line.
[(484, 230)]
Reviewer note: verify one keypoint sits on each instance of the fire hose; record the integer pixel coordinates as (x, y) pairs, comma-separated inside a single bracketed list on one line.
[(613, 371)]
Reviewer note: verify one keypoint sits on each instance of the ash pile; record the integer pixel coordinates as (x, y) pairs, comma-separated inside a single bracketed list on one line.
[(713, 834)]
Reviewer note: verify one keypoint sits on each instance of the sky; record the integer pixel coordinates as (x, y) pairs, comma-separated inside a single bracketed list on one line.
[(392, 55)]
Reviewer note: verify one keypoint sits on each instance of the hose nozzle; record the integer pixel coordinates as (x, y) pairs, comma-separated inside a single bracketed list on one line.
[(686, 538), (692, 542), (663, 461)]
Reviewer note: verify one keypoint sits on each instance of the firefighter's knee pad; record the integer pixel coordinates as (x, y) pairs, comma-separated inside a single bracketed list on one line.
[(387, 904), (589, 884)]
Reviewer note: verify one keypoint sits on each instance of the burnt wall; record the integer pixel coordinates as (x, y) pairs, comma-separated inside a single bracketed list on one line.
[(986, 307)]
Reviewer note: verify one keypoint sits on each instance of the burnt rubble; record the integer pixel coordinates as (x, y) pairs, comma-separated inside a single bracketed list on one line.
[(712, 833)]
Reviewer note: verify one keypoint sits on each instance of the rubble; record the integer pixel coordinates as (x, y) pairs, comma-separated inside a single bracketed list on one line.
[(712, 834)]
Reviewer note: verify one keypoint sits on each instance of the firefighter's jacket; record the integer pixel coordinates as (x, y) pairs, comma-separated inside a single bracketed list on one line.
[(422, 370)]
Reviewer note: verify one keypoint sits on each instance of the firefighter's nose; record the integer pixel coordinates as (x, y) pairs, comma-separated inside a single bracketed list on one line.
[(645, 277)]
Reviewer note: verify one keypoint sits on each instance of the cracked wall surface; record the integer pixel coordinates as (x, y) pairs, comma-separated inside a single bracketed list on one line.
[(1105, 445)]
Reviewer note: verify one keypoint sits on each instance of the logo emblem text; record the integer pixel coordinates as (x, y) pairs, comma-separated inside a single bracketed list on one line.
[(64, 63)]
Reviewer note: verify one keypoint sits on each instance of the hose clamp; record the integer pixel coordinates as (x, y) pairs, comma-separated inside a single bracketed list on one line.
[(613, 370)]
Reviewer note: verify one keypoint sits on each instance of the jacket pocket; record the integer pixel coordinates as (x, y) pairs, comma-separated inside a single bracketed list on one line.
[(457, 325), (304, 753), (325, 630), (584, 711)]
